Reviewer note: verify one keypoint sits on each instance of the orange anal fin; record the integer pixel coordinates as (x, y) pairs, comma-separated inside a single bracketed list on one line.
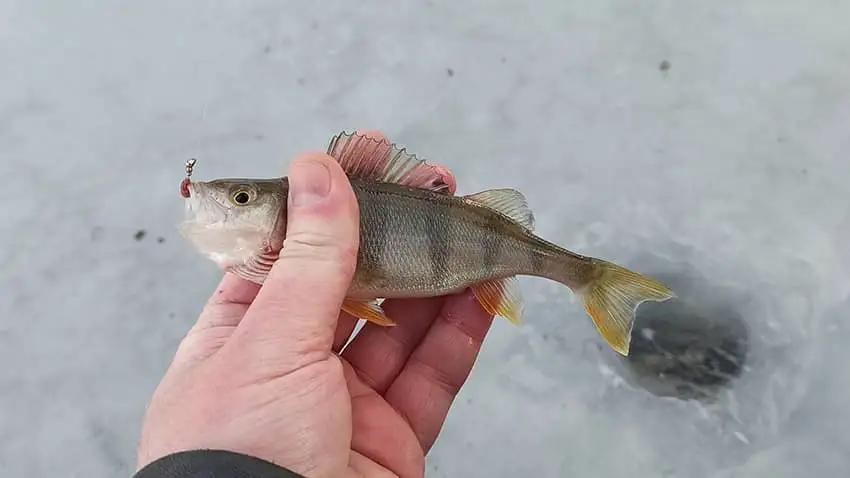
[(368, 311), (501, 297)]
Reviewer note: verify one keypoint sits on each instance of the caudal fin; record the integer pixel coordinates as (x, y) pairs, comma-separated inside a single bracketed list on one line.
[(612, 299)]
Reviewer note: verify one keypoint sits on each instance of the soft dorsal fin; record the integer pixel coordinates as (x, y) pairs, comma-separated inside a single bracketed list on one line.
[(509, 202), (367, 158)]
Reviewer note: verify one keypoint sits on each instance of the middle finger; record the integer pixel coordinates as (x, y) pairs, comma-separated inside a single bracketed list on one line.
[(379, 353)]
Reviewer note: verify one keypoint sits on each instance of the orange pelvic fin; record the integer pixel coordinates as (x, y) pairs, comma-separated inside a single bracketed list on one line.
[(368, 311)]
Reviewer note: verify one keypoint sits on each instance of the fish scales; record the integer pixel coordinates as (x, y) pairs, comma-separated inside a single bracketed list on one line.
[(419, 243)]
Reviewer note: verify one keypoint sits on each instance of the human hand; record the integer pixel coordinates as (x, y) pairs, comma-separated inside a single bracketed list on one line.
[(263, 373)]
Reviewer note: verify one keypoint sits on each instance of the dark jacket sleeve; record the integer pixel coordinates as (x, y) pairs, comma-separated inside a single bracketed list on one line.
[(212, 464)]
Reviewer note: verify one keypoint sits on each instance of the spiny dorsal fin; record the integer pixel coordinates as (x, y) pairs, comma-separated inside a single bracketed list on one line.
[(367, 158), (509, 202)]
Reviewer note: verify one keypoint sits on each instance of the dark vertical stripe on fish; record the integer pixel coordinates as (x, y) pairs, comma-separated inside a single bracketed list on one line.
[(438, 232), (492, 243), (375, 222), (537, 259)]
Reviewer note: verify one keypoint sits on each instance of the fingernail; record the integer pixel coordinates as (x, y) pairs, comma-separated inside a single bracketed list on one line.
[(309, 183)]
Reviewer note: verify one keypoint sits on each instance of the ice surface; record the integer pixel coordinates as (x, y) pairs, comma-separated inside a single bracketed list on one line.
[(704, 142)]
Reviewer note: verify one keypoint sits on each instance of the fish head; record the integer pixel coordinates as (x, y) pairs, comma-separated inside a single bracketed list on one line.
[(231, 220)]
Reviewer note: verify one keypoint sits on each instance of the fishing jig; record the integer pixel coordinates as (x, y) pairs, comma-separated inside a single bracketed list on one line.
[(184, 186)]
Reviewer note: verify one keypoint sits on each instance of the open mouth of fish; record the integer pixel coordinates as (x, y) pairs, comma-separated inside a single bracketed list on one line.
[(215, 231), (204, 220), (202, 211)]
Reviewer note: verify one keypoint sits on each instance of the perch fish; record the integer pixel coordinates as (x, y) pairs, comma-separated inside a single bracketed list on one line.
[(416, 240)]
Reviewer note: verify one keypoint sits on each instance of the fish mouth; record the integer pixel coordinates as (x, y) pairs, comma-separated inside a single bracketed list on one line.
[(192, 201), (204, 225), (201, 211), (215, 231)]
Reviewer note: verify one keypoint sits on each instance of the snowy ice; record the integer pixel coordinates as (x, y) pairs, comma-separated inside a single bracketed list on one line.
[(704, 143)]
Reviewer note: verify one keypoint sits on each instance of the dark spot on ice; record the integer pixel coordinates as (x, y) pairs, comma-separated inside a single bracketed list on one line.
[(687, 348), (690, 347), (301, 81), (314, 25), (108, 444), (259, 137), (503, 59), (140, 234), (96, 233), (267, 49), (664, 66), (160, 239), (780, 139), (171, 315), (804, 171), (450, 72)]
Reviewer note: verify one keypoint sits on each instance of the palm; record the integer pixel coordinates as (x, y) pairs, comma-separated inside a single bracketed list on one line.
[(380, 436), (403, 379)]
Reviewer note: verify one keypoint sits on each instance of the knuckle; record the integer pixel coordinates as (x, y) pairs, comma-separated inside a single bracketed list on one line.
[(319, 242), (319, 247)]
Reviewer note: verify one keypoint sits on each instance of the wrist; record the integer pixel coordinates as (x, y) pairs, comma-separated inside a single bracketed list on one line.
[(212, 464)]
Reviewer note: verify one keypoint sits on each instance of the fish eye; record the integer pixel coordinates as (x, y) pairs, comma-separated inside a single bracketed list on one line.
[(241, 197)]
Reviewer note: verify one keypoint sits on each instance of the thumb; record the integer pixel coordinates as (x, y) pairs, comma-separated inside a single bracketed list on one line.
[(293, 318)]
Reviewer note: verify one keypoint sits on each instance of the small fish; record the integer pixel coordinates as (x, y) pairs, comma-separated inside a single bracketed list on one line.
[(416, 240)]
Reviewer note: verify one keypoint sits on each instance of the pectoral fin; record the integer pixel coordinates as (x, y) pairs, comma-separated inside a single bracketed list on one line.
[(256, 268), (368, 311), (501, 297)]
